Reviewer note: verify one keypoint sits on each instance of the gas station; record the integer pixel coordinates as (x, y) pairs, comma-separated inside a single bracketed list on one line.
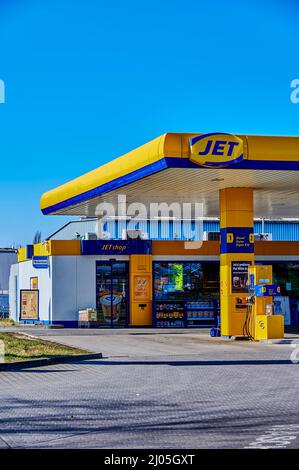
[(165, 283)]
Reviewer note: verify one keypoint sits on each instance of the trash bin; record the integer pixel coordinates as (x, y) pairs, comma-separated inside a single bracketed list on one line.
[(215, 331)]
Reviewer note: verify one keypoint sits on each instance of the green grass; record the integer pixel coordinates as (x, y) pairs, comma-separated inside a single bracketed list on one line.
[(18, 347), (6, 322)]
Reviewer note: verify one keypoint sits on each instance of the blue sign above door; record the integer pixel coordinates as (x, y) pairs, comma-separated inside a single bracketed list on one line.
[(40, 262), (116, 247)]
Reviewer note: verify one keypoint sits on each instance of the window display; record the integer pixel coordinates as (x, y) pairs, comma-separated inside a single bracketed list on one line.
[(186, 293)]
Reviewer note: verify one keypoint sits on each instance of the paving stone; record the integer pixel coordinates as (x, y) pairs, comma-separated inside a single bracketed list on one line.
[(168, 391)]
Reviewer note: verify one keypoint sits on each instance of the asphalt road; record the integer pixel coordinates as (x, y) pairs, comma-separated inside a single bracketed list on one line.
[(166, 390)]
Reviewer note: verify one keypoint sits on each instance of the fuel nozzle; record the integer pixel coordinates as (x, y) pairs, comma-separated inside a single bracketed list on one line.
[(250, 300)]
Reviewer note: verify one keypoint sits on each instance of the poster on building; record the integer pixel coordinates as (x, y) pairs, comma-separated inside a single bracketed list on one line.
[(29, 304), (240, 276), (142, 287), (34, 283), (112, 307), (282, 307)]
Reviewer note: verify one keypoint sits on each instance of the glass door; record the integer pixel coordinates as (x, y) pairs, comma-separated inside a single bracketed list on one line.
[(112, 292)]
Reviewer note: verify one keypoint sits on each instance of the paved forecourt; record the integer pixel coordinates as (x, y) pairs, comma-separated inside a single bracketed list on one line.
[(170, 390)]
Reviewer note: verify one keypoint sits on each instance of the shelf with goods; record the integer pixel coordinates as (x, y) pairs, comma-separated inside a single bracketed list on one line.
[(169, 314), (182, 313), (201, 313)]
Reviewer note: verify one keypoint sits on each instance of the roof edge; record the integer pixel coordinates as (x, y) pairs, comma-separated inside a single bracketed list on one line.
[(145, 155)]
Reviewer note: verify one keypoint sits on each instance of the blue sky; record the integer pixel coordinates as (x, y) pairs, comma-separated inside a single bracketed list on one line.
[(87, 81)]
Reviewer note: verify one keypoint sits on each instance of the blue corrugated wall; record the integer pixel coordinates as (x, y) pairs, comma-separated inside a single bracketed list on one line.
[(288, 231), (164, 230), (171, 230)]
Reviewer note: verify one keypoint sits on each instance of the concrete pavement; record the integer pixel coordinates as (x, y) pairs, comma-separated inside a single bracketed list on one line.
[(167, 390)]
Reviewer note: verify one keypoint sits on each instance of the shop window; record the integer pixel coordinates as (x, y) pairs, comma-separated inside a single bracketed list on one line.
[(186, 293), (186, 280)]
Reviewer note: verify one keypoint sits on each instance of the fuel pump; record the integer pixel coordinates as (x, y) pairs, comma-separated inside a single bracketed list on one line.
[(260, 322)]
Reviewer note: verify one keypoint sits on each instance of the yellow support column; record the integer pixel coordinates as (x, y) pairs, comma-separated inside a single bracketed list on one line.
[(141, 290), (236, 254)]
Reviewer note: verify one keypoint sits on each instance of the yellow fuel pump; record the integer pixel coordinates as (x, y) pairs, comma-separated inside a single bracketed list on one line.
[(260, 322)]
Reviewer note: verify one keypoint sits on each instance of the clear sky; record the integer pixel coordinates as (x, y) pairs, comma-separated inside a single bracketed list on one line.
[(87, 81)]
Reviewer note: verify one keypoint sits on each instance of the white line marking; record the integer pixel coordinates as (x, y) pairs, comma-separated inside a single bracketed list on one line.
[(277, 437)]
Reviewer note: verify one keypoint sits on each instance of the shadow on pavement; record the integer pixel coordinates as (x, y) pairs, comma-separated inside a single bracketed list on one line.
[(234, 362), (144, 362)]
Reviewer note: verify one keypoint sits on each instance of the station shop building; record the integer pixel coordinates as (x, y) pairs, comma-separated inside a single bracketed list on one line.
[(246, 184)]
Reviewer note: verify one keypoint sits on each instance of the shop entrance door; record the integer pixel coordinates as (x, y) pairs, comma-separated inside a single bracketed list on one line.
[(112, 286)]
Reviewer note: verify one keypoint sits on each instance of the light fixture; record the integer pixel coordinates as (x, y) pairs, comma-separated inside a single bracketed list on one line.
[(157, 217)]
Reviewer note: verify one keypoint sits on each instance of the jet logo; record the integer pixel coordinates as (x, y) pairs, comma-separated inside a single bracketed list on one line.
[(216, 150)]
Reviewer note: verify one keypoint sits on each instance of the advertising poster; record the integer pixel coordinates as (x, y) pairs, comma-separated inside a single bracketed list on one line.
[(178, 276), (240, 276), (34, 283), (29, 304), (142, 287), (111, 306)]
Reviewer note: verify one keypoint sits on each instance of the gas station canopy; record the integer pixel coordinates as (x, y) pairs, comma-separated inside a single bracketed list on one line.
[(163, 170)]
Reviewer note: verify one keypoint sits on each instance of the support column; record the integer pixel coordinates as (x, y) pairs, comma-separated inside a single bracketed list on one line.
[(141, 290), (236, 254)]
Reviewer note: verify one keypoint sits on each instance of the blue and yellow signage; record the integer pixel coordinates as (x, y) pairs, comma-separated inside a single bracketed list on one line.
[(216, 149), (40, 262), (116, 247), (237, 240)]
